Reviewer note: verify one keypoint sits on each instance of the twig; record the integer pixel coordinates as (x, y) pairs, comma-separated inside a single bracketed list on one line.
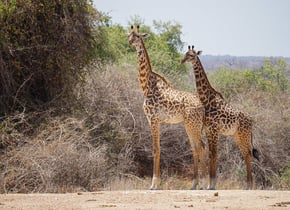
[(21, 86)]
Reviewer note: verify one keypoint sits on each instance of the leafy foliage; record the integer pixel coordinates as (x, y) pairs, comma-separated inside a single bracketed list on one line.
[(163, 47), (271, 77)]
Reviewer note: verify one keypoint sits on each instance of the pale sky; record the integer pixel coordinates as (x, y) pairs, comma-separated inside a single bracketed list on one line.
[(218, 27)]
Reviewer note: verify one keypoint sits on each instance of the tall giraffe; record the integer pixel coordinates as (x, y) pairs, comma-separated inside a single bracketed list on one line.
[(221, 118), (164, 104)]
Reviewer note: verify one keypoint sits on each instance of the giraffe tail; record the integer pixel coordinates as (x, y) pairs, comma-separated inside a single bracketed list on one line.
[(255, 154), (254, 151)]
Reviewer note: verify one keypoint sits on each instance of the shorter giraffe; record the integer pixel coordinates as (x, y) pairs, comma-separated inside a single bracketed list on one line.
[(165, 104), (221, 118)]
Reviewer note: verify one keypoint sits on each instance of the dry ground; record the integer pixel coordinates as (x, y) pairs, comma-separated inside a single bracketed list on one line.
[(142, 200)]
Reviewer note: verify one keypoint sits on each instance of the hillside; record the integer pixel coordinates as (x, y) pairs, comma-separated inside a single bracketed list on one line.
[(214, 62)]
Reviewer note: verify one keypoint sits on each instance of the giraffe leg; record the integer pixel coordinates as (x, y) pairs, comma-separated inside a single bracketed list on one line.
[(195, 171), (203, 166), (189, 131), (244, 142), (213, 155), (198, 151), (155, 129), (249, 172)]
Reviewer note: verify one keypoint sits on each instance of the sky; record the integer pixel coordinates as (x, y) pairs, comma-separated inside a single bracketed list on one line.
[(217, 27)]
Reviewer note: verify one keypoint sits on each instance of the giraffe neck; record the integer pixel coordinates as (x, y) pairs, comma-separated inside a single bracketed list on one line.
[(145, 69), (204, 89)]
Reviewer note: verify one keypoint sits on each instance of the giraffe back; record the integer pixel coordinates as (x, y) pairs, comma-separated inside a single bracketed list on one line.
[(168, 104)]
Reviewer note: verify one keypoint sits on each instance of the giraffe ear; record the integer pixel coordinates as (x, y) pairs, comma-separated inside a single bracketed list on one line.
[(145, 35), (199, 52)]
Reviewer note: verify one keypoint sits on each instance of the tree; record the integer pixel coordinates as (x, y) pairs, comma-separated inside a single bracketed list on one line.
[(44, 47), (273, 76), (270, 77), (170, 33)]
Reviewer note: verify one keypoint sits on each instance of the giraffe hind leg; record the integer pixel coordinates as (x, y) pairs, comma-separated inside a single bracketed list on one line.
[(244, 143), (249, 172), (198, 151), (213, 155), (155, 129)]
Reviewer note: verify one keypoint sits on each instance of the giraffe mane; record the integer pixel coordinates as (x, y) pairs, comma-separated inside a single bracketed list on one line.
[(154, 73), (146, 54), (218, 93), (161, 77)]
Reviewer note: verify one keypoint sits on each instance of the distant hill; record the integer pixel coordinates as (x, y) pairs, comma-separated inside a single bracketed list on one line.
[(212, 62)]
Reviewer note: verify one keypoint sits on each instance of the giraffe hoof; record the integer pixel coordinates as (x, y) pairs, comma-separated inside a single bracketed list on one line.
[(202, 188), (211, 188), (153, 188)]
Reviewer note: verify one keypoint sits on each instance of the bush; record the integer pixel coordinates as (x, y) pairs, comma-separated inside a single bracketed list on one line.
[(270, 77), (59, 158), (44, 47), (285, 178), (109, 137)]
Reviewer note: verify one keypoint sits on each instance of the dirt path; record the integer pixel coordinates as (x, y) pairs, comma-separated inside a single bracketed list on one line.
[(142, 200)]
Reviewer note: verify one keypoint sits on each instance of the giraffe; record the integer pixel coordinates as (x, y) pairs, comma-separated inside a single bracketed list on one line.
[(221, 118), (165, 104)]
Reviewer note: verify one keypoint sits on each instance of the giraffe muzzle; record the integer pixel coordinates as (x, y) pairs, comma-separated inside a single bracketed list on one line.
[(183, 61)]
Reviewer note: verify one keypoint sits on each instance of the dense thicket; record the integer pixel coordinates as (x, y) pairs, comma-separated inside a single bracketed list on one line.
[(44, 47)]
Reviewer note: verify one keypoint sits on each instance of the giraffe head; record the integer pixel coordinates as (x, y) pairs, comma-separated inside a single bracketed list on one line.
[(191, 55), (135, 37)]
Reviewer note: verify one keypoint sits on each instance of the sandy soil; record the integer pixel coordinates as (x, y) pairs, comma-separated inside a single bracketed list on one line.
[(143, 200)]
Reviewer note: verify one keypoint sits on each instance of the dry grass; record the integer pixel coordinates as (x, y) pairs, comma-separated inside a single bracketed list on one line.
[(271, 114), (106, 143), (58, 159)]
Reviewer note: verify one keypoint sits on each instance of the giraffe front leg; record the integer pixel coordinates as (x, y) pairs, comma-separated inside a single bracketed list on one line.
[(155, 128), (195, 170), (213, 155), (199, 157), (203, 165)]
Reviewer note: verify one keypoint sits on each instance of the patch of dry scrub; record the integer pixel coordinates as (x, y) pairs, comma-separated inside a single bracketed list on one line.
[(49, 152), (271, 136), (105, 143), (59, 158), (117, 93)]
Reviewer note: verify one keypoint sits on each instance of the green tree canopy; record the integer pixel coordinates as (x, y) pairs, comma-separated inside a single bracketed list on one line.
[(270, 77), (163, 45)]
